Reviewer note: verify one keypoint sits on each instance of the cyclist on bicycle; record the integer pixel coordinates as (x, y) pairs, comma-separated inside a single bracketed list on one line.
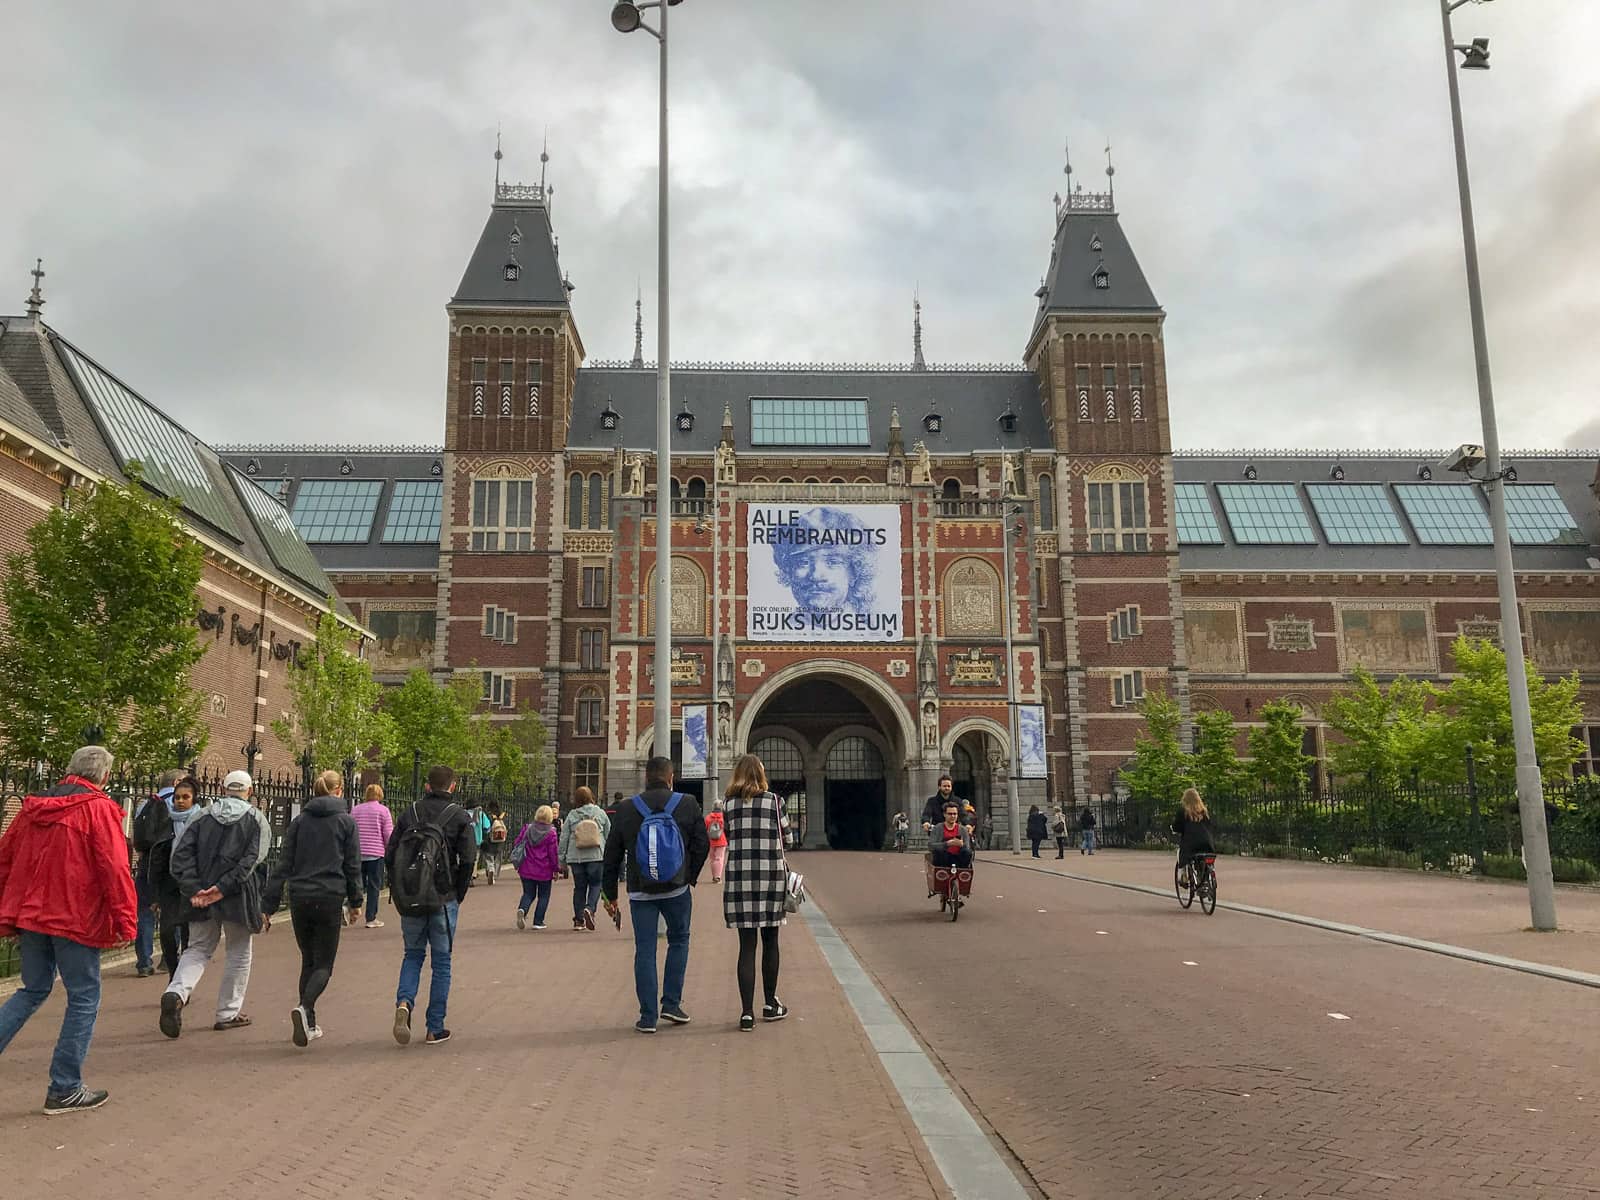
[(950, 844), (902, 827), (1193, 827)]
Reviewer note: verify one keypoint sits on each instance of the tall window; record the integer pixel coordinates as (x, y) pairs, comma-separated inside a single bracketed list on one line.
[(590, 722), (586, 773), (500, 625), (499, 690), (592, 593), (591, 649), (575, 501), (480, 384), (1118, 518), (1127, 689), (502, 514), (507, 386), (597, 510), (1047, 502)]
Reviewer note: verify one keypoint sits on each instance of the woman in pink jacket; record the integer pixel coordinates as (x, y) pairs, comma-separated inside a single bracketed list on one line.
[(375, 825), (536, 857)]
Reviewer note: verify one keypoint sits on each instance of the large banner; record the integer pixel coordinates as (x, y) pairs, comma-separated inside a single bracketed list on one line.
[(825, 574), (1030, 738), (696, 742)]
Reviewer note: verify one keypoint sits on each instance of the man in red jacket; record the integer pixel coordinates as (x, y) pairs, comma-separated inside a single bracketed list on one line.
[(65, 893)]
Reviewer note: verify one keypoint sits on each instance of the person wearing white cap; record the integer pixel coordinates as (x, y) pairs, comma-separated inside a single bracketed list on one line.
[(215, 866)]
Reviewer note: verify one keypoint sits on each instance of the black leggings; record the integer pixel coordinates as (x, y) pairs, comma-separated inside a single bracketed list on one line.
[(747, 966), (316, 932)]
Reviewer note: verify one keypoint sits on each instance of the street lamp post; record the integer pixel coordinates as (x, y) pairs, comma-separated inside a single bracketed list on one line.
[(626, 17), (1013, 801), (1530, 789)]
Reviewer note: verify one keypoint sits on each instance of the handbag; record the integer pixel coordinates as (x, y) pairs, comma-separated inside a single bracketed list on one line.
[(794, 887)]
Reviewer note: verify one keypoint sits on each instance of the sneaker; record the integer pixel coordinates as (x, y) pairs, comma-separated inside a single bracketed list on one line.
[(433, 1039), (775, 1011), (402, 1024), (374, 924), (588, 919), (80, 1099), (643, 1026), (314, 1032), (747, 1023), (522, 919), (299, 1026), (171, 1014), (538, 926), (675, 1014), (146, 972)]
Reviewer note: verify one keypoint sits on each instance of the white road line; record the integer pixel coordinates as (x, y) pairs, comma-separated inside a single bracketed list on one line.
[(1339, 1016)]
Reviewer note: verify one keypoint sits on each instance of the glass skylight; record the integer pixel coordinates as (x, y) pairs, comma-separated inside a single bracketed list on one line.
[(336, 510), (1197, 520), (277, 531), (414, 509), (1445, 514), (1357, 514), (793, 421), (1266, 514), (1538, 516)]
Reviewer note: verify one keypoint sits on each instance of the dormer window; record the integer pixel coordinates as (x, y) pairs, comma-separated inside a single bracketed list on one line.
[(516, 235), (933, 422), (513, 272), (685, 420), (610, 418), (1102, 277), (1095, 244)]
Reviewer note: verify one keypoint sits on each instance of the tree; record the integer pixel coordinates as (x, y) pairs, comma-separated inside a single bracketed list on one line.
[(433, 720), (1381, 730), (336, 702), (1214, 766), (1159, 769), (520, 759), (102, 633), (1277, 759), (1474, 709)]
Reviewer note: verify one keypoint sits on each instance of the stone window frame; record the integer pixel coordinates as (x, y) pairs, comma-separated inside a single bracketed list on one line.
[(1122, 526), (592, 648), (500, 625), (499, 689), (598, 596), (494, 532), (588, 713), (1124, 624), (1127, 688), (588, 770)]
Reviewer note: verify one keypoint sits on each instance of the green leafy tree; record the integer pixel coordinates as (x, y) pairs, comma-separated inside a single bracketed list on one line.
[(520, 757), (1474, 709), (1214, 767), (1381, 730), (1159, 769), (433, 720), (1277, 760), (101, 632), (336, 702)]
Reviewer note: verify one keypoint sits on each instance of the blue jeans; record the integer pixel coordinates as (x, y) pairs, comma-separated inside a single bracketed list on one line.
[(79, 966), (535, 889), (144, 941), (586, 886), (372, 880), (646, 916), (1088, 840), (434, 933)]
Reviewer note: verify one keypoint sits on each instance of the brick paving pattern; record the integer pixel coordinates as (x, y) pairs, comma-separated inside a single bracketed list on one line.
[(544, 1088), (1111, 1069)]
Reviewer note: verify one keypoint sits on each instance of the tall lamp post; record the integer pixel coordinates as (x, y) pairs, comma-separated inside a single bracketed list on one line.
[(1530, 789), (1008, 424), (626, 17)]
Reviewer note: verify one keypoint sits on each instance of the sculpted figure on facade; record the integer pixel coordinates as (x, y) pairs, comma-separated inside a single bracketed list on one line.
[(635, 476), (726, 470), (921, 464), (1008, 475)]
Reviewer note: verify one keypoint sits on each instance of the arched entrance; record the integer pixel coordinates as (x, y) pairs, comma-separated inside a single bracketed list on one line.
[(786, 776), (857, 794)]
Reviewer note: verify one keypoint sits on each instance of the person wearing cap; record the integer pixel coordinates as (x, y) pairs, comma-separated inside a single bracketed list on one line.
[(214, 863)]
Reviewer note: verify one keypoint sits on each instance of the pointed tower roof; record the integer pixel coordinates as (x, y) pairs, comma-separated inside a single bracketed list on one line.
[(516, 261), (918, 363)]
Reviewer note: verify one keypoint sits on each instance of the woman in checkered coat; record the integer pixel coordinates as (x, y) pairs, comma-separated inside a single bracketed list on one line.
[(756, 884)]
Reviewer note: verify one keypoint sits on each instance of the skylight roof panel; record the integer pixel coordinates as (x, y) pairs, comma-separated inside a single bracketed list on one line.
[(414, 510), (283, 541), (808, 421), (1266, 514), (1197, 520), (1538, 516), (336, 510), (1357, 514), (1445, 514), (139, 432)]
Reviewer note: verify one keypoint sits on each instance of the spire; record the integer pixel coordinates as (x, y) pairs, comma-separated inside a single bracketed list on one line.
[(727, 424), (544, 158), (497, 157), (638, 328), (917, 363), (35, 297), (896, 440), (1111, 178)]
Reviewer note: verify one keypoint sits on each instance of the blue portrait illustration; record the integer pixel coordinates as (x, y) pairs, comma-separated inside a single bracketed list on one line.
[(695, 739), (826, 561), (1030, 734)]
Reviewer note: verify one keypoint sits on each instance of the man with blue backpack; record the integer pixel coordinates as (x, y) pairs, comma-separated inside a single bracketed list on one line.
[(662, 835)]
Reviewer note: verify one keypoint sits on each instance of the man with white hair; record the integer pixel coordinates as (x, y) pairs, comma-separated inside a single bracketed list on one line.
[(65, 894), (215, 866)]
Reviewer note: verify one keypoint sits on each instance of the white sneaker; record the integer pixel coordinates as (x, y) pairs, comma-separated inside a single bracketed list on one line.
[(300, 1031), (522, 919), (315, 1032), (538, 926), (374, 924)]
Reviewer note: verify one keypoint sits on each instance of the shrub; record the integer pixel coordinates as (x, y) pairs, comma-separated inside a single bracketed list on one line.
[(1294, 853), (1574, 870), (1504, 866), (1380, 856)]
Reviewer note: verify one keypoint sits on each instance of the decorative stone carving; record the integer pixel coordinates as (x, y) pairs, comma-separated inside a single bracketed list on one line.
[(930, 726), (598, 544), (212, 622), (1291, 634), (1008, 475), (687, 599), (725, 727), (1214, 636), (753, 668), (974, 667), (686, 668), (898, 668), (634, 466), (1479, 628), (219, 704), (727, 469), (971, 598), (921, 464), (1563, 639), (1387, 638)]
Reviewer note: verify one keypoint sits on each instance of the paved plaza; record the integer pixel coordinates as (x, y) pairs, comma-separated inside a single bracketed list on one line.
[(1106, 1043)]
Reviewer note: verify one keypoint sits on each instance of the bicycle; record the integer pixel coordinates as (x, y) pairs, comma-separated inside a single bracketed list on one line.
[(1197, 877)]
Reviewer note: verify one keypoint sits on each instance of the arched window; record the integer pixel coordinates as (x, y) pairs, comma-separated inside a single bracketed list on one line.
[(854, 758), (1117, 509), (837, 479), (575, 501), (1047, 502), (502, 509), (697, 489), (597, 510), (690, 599), (951, 490), (782, 760), (676, 490), (787, 479), (812, 479), (589, 719), (694, 498)]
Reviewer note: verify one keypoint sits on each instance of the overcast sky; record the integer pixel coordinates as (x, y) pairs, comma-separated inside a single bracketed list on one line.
[(256, 213)]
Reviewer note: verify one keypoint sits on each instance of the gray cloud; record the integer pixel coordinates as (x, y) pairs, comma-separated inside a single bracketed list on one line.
[(257, 216)]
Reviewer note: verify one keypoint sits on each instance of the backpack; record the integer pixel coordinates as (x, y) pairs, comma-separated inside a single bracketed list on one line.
[(151, 825), (422, 881), (497, 829), (658, 850), (714, 826), (586, 834), (520, 851)]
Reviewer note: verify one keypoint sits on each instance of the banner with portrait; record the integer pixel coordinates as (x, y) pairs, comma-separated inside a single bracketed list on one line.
[(696, 742), (1030, 742), (824, 573)]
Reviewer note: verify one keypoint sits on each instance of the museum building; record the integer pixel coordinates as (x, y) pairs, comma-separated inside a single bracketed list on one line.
[(947, 512)]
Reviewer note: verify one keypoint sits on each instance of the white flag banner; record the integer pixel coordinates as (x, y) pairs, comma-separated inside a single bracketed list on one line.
[(1030, 738), (696, 742), (828, 573)]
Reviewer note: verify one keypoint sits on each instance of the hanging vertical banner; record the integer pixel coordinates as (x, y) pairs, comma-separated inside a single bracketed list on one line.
[(830, 573), (696, 742), (1030, 739)]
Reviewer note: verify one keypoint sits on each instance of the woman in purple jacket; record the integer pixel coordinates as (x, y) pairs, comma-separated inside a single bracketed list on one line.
[(537, 861)]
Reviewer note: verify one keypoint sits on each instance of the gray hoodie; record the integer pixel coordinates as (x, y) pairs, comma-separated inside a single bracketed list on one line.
[(570, 851)]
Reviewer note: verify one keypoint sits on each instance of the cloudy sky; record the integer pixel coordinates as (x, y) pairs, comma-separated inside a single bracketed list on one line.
[(256, 213)]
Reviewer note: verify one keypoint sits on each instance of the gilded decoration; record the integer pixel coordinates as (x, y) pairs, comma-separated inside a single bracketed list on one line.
[(1562, 640), (1214, 635), (973, 667), (1394, 638), (587, 543), (971, 598), (1291, 634)]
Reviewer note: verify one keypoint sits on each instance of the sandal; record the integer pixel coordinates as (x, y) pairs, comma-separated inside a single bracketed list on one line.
[(238, 1022)]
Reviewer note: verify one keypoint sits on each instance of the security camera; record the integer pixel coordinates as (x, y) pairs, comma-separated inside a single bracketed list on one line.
[(1462, 459)]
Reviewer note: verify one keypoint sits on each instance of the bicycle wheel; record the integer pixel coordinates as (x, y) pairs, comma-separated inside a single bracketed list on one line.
[(1208, 893), (955, 897), (1185, 889)]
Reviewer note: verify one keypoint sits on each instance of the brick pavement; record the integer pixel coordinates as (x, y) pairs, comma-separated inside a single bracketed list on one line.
[(1112, 1069), (538, 1092), (1481, 914)]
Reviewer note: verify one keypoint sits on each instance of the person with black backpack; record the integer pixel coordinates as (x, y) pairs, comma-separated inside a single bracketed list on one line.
[(430, 860), (662, 836)]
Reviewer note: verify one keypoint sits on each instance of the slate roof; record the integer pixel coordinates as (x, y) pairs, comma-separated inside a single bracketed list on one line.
[(1572, 475), (968, 399), (1069, 283), (523, 213), (38, 395)]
